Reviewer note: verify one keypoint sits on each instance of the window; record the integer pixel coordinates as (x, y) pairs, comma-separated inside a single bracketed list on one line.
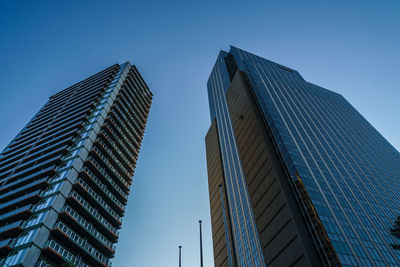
[(53, 188), (44, 203), (15, 257), (36, 219), (26, 237)]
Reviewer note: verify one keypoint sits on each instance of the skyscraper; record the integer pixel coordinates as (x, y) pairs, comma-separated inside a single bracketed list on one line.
[(65, 178), (297, 177)]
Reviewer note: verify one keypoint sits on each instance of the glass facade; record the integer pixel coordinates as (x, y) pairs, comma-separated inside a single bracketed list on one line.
[(350, 173), (65, 178), (246, 242)]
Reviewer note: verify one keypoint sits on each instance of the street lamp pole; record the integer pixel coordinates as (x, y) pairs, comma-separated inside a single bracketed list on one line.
[(201, 246), (180, 248)]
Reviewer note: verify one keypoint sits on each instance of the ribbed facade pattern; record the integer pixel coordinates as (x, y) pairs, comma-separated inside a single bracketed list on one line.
[(65, 178), (246, 242), (344, 177), (348, 170)]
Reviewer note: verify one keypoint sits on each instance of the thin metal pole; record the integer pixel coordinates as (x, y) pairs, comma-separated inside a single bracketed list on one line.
[(180, 247), (201, 247)]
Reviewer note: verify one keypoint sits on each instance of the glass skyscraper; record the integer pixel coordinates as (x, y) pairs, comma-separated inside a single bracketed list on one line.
[(65, 178), (296, 175)]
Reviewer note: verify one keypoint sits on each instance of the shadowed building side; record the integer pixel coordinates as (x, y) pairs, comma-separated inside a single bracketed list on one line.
[(215, 182), (282, 230), (283, 234)]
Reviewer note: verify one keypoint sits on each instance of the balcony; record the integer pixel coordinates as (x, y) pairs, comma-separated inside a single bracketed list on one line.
[(59, 148), (59, 254), (91, 254), (121, 146), (65, 135), (119, 160), (130, 84), (30, 137), (10, 185), (9, 163), (96, 167), (117, 167), (94, 81), (127, 118), (111, 169), (104, 190), (6, 246), (134, 103), (34, 169), (43, 263), (11, 229), (21, 213), (88, 230), (132, 106), (22, 200), (125, 156), (32, 161), (111, 123), (132, 109), (109, 127), (125, 132), (97, 201), (38, 184), (143, 102), (93, 215)]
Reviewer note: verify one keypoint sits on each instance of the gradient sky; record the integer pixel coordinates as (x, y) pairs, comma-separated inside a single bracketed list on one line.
[(45, 46)]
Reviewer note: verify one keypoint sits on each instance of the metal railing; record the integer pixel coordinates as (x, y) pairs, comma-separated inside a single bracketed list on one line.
[(99, 199), (89, 228), (93, 212), (81, 242)]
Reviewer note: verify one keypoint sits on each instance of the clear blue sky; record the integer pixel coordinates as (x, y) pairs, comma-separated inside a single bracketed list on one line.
[(351, 47)]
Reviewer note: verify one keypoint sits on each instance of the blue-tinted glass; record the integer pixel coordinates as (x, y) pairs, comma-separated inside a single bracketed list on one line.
[(245, 235), (349, 170)]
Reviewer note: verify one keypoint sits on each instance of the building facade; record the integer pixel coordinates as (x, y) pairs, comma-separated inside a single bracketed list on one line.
[(65, 178), (297, 177)]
